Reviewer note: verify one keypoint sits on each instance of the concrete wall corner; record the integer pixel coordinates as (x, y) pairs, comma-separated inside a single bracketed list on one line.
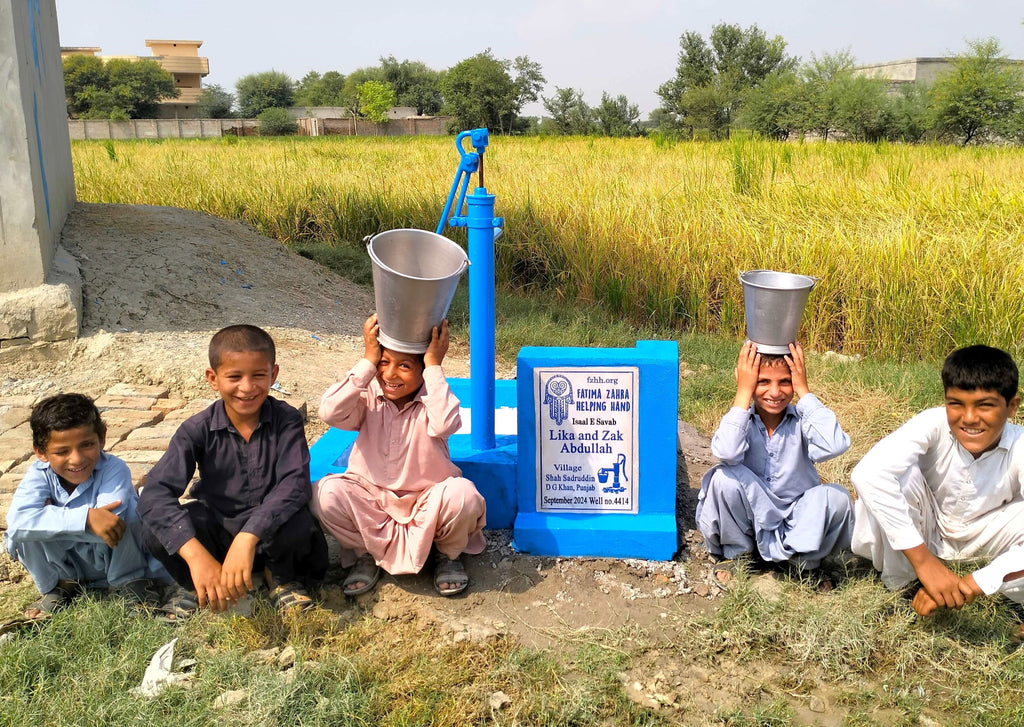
[(37, 189)]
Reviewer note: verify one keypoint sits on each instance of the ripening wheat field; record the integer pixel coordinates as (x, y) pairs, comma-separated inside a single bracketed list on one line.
[(918, 249)]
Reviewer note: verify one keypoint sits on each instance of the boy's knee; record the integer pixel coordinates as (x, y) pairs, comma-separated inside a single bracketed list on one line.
[(726, 484), (462, 494), (838, 500)]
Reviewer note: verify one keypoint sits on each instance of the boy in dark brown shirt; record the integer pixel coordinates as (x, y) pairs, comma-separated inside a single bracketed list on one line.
[(250, 504)]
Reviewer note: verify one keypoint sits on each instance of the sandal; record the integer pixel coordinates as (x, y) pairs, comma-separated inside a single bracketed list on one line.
[(180, 605), (141, 593), (58, 597), (365, 571), (9, 628), (452, 572), (289, 597), (723, 573)]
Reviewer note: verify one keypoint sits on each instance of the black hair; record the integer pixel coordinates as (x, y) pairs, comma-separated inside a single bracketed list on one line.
[(773, 360), (981, 368), (62, 412), (240, 339)]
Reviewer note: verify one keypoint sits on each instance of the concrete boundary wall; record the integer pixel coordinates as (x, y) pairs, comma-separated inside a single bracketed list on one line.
[(37, 186), (414, 126), (79, 129)]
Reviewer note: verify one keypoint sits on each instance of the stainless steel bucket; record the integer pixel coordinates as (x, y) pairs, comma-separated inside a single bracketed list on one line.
[(415, 274), (774, 304)]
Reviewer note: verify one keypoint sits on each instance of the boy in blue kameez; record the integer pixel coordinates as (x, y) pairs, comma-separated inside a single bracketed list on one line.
[(72, 521), (766, 498)]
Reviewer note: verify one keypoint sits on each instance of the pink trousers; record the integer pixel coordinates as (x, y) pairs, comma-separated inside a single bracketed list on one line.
[(398, 528)]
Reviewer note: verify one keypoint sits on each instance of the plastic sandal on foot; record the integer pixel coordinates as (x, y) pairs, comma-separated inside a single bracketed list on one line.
[(365, 571), (451, 572)]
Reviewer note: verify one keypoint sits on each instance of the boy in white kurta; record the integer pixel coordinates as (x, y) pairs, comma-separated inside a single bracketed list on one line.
[(946, 486), (401, 493)]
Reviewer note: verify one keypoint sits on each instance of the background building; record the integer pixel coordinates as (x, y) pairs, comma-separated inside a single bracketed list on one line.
[(181, 59)]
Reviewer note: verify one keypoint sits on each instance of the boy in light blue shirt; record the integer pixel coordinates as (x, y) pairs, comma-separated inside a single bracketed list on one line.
[(766, 498), (72, 521)]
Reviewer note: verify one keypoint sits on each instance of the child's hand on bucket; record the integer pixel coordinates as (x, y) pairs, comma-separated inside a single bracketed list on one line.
[(370, 330), (797, 369), (438, 347), (747, 367)]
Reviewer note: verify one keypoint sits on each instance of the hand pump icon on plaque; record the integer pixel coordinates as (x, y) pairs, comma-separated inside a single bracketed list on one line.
[(616, 470)]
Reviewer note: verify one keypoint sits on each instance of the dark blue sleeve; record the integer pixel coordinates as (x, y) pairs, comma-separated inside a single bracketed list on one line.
[(159, 509), (291, 489)]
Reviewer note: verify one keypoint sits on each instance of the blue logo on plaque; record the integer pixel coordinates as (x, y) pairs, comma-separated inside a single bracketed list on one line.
[(616, 470), (558, 397)]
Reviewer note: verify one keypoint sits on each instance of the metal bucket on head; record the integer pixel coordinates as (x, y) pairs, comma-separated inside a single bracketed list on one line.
[(415, 274), (774, 304)]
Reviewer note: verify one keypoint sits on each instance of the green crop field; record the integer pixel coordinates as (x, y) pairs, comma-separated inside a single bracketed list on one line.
[(918, 249)]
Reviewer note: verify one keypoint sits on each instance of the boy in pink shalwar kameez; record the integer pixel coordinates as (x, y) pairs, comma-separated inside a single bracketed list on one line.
[(401, 493)]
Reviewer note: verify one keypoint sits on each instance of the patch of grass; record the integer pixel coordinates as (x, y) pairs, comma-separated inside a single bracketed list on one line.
[(79, 669), (347, 260), (776, 714), (962, 662)]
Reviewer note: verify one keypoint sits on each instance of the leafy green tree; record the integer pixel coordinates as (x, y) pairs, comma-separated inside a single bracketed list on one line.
[(712, 76), (547, 127), (981, 97), (864, 110), (116, 89), (259, 91), (375, 99), (276, 122), (616, 116), (480, 91), (909, 111), (527, 82), (414, 83), (350, 95), (82, 75), (215, 103), (769, 108), (569, 112), (317, 90), (823, 81)]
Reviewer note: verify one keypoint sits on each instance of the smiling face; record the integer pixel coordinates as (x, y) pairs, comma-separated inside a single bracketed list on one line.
[(977, 417), (400, 376), (73, 454), (773, 392), (243, 381)]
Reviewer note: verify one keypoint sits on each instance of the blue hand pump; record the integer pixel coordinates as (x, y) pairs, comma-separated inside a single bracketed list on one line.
[(483, 229)]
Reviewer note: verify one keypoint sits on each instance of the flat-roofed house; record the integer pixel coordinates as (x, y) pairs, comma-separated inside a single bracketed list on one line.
[(915, 70), (181, 59)]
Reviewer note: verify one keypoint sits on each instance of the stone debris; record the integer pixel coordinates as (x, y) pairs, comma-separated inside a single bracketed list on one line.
[(230, 698), (286, 659), (474, 631), (266, 656), (498, 700)]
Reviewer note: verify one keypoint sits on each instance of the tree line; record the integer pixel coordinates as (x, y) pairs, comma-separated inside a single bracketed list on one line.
[(741, 79), (736, 78)]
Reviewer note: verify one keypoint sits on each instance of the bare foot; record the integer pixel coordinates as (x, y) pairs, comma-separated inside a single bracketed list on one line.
[(1018, 633)]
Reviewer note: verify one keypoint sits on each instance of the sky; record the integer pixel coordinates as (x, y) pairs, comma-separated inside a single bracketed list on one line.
[(619, 46)]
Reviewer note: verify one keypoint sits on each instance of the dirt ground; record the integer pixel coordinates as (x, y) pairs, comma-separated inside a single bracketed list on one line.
[(159, 281)]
